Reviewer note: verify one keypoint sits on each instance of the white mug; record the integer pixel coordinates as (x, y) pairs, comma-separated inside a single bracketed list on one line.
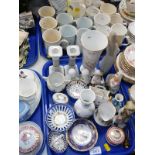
[(53, 37), (92, 11), (46, 11), (108, 8), (68, 32), (93, 43), (116, 18), (84, 22), (64, 18), (47, 23), (104, 29)]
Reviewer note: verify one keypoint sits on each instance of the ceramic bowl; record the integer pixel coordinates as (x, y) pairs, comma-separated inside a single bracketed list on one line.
[(46, 11), (60, 98), (60, 117), (30, 138), (57, 142)]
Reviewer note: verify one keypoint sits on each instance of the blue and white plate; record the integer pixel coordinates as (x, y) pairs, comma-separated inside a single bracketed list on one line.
[(60, 117), (57, 142), (82, 135)]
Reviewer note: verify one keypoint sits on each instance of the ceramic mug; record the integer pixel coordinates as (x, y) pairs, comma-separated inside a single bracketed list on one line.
[(108, 8), (101, 19), (56, 82), (92, 11), (47, 23), (116, 18), (53, 37), (93, 43), (68, 32), (120, 32), (46, 11), (64, 18), (104, 29), (84, 22)]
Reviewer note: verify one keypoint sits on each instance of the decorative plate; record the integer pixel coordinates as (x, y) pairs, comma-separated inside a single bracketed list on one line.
[(30, 138), (57, 142), (115, 136), (82, 135), (60, 117), (74, 88)]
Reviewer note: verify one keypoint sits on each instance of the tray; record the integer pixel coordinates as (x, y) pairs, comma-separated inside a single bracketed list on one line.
[(33, 51), (38, 115), (101, 130)]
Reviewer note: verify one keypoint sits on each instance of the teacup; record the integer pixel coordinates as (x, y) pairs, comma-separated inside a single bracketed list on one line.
[(46, 11), (92, 11), (120, 31), (84, 22), (116, 18), (68, 32), (101, 19), (108, 8), (53, 37), (56, 82), (64, 18), (47, 23), (93, 43)]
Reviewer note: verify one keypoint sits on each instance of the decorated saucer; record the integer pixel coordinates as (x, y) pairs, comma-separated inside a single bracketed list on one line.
[(74, 88), (82, 135), (60, 117), (57, 142)]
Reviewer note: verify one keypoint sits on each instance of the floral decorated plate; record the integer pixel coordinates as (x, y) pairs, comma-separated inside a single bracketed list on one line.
[(60, 117), (57, 142), (82, 135), (74, 88)]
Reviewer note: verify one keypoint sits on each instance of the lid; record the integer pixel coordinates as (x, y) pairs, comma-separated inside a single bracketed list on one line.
[(90, 37), (60, 98), (30, 137), (115, 135)]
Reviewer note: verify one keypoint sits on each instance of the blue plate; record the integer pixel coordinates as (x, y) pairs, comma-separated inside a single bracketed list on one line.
[(115, 150)]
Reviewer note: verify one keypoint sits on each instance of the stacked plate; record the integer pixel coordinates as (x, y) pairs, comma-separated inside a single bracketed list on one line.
[(125, 13), (29, 90), (125, 63), (131, 32)]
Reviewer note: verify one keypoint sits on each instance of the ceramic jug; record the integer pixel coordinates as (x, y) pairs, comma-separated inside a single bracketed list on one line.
[(84, 106)]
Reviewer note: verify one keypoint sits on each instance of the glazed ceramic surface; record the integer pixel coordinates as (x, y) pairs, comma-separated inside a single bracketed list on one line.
[(60, 98), (57, 142), (83, 135), (64, 18), (74, 88), (60, 117)]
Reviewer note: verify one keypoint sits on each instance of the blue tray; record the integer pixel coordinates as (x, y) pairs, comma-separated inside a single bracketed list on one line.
[(33, 51), (38, 116), (118, 150)]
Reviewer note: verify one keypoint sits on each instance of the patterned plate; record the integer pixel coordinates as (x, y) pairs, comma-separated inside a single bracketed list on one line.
[(82, 135), (60, 117), (74, 88), (57, 142)]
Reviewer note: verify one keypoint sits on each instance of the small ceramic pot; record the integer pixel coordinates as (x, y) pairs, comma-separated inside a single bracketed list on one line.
[(64, 18), (56, 82), (47, 23), (84, 107), (46, 11)]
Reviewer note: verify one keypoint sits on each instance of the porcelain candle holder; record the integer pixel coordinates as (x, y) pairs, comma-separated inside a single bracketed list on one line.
[(47, 23), (84, 106), (93, 43), (55, 52), (46, 11)]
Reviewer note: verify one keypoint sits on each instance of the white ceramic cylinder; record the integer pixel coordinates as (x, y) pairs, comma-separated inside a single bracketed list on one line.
[(46, 11), (64, 18), (47, 23), (93, 43), (92, 11), (104, 29), (116, 18), (108, 8), (84, 22)]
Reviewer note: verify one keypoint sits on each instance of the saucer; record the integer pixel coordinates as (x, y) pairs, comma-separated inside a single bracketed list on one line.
[(57, 142), (74, 88), (82, 135), (60, 117), (30, 138)]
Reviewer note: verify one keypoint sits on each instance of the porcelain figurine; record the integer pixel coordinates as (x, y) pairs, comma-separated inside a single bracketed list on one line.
[(124, 114), (117, 101), (97, 78), (102, 95), (113, 82), (84, 106)]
